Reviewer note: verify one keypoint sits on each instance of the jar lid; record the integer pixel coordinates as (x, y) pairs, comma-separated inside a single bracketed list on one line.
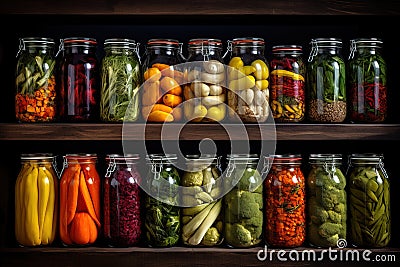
[(298, 49), (243, 157), (120, 43), (79, 41), (120, 157), (163, 43), (328, 158), (285, 158), (200, 158), (327, 42), (368, 157), (81, 156), (248, 41), (367, 42), (37, 156), (204, 42), (37, 42), (161, 158)]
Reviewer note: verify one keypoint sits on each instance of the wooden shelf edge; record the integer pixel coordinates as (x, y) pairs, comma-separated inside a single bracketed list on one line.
[(183, 256), (141, 131), (199, 7)]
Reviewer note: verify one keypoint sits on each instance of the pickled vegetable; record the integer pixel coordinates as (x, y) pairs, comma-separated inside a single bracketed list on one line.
[(162, 221), (35, 99), (327, 206), (326, 82), (122, 206), (243, 207), (79, 202), (36, 194), (202, 219), (367, 82), (248, 81), (285, 206), (287, 84), (369, 207), (121, 79)]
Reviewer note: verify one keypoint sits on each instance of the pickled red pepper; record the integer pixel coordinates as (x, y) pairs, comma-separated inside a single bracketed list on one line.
[(287, 83), (122, 221), (285, 207)]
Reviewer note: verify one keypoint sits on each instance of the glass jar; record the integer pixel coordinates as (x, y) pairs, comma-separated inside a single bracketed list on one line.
[(79, 80), (120, 81), (36, 196), (205, 91), (243, 204), (122, 224), (367, 81), (326, 201), (79, 220), (326, 81), (35, 99), (162, 219), (369, 201), (288, 72), (285, 202), (199, 198), (161, 91), (248, 94)]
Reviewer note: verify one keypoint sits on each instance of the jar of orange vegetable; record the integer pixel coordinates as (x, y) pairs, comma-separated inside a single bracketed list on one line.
[(35, 99), (285, 202), (205, 92), (36, 196), (79, 220), (161, 92)]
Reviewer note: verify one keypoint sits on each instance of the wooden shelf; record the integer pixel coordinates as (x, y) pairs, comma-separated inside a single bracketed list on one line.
[(135, 131), (200, 7), (94, 256)]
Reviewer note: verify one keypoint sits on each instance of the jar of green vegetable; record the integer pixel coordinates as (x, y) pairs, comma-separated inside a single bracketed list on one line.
[(326, 201), (248, 73), (369, 201), (205, 92), (162, 214), (243, 204), (202, 212), (35, 81), (326, 81), (367, 81), (120, 81)]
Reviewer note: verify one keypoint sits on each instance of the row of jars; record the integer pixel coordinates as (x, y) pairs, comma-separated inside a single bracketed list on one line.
[(203, 205), (162, 89)]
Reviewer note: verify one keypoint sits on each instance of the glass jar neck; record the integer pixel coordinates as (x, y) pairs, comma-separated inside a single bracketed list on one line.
[(80, 50), (253, 50)]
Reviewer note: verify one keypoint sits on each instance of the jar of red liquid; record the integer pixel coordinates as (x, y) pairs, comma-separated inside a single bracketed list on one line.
[(285, 202), (121, 202), (79, 80), (287, 83)]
